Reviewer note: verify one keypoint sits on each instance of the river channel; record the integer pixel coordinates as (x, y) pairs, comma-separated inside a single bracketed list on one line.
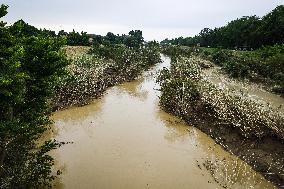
[(125, 141)]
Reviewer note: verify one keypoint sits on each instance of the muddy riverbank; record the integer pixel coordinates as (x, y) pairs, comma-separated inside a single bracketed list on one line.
[(124, 140), (265, 155)]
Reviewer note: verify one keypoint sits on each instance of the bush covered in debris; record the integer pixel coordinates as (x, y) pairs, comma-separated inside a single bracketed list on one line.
[(185, 92), (90, 74)]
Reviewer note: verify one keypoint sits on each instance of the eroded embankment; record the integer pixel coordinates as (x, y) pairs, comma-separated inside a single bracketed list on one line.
[(243, 125)]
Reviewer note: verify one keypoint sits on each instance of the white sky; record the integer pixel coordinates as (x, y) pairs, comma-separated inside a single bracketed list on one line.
[(158, 19)]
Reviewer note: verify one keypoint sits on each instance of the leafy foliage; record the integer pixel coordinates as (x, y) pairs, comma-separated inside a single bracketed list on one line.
[(134, 39), (23, 29), (75, 38), (248, 32), (175, 51), (267, 63), (29, 69)]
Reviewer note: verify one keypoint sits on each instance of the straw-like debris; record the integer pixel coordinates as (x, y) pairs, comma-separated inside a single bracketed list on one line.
[(89, 75)]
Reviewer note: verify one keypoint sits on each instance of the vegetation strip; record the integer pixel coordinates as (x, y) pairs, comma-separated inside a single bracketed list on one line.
[(90, 74), (264, 66)]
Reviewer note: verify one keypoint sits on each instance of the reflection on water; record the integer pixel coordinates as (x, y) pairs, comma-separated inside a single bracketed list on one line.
[(124, 140)]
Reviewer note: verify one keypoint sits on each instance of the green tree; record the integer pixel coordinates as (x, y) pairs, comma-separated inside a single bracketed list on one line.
[(272, 27), (134, 39), (62, 33), (111, 37), (21, 28), (248, 32), (76, 38), (29, 68)]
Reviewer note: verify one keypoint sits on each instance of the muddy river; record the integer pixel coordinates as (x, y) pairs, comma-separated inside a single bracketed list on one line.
[(125, 141)]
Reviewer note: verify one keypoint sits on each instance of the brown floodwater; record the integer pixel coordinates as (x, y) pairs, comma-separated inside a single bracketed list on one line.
[(125, 141)]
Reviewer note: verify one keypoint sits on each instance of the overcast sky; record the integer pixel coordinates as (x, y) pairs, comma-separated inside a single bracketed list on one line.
[(158, 19)]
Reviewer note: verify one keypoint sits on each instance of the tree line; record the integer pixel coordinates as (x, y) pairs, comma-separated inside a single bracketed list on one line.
[(248, 32), (133, 39)]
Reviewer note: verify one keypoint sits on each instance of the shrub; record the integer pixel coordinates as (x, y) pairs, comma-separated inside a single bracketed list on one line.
[(238, 66), (221, 56), (269, 51)]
